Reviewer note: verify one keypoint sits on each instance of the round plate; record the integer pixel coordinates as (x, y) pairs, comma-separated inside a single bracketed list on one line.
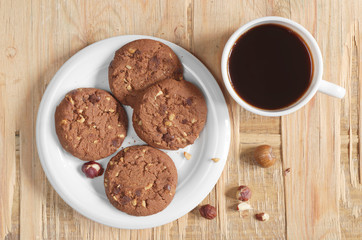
[(196, 177)]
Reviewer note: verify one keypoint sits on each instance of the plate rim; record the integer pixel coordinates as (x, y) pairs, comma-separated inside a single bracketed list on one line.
[(66, 67)]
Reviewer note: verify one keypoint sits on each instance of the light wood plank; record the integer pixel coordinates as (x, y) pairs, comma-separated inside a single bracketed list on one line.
[(351, 187), (311, 140), (11, 77)]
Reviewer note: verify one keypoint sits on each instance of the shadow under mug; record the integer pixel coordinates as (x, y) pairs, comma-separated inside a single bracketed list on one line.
[(317, 83)]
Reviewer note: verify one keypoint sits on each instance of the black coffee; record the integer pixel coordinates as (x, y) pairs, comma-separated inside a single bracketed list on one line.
[(270, 67)]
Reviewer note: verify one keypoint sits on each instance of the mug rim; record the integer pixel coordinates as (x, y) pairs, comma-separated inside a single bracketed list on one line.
[(314, 51)]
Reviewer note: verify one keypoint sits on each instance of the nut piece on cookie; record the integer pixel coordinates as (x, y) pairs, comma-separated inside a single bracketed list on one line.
[(148, 186)]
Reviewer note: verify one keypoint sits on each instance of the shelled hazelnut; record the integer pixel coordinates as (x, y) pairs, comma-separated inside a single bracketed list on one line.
[(243, 193), (262, 217), (243, 207), (92, 169)]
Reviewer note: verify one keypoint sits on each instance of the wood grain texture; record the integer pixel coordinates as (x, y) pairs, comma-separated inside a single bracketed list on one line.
[(311, 204), (321, 196)]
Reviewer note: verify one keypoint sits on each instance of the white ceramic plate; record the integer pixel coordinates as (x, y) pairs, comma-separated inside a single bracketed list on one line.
[(196, 177)]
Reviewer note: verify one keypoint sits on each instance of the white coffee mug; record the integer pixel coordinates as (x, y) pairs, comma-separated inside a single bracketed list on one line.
[(317, 84)]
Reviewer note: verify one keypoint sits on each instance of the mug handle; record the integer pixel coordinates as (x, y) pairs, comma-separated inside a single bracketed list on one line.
[(331, 89)]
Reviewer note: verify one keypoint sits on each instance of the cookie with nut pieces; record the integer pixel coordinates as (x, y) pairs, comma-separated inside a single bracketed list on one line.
[(139, 64), (140, 180), (170, 114), (90, 123)]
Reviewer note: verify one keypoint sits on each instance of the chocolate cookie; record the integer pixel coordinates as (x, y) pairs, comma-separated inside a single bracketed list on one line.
[(90, 123), (170, 114), (140, 180), (138, 65)]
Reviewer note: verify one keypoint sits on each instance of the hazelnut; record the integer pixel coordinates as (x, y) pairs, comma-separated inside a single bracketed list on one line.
[(264, 156), (207, 211), (92, 169), (262, 217), (215, 159), (243, 193), (243, 206)]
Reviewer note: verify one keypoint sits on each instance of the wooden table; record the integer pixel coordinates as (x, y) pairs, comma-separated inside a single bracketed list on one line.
[(321, 196)]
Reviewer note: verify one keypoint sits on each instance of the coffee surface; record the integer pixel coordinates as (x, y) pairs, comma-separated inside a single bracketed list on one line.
[(270, 67)]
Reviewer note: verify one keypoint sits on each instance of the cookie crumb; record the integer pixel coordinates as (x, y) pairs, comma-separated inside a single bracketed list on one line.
[(187, 155)]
